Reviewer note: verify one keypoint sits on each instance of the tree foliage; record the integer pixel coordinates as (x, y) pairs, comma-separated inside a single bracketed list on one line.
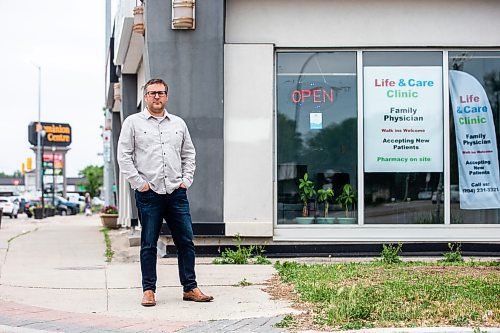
[(93, 179), (16, 174)]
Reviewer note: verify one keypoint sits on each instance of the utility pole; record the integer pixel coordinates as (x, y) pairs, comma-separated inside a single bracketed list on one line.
[(108, 172), (39, 133)]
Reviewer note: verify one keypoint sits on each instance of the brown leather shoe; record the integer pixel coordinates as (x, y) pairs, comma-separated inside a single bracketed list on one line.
[(196, 295), (148, 299)]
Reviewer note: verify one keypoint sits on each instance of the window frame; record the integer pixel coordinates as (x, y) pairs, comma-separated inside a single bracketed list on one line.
[(361, 232)]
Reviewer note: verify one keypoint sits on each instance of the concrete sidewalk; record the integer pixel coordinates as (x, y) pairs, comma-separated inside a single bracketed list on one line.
[(53, 277)]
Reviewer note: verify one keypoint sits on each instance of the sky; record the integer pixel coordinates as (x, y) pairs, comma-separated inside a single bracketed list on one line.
[(67, 40)]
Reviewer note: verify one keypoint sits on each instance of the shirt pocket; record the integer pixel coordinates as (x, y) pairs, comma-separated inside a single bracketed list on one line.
[(143, 139), (176, 139)]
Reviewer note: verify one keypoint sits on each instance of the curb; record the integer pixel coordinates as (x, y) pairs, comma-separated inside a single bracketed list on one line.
[(419, 330), (9, 329)]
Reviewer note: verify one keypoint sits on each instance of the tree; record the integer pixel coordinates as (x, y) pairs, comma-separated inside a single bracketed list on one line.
[(93, 179), (16, 174)]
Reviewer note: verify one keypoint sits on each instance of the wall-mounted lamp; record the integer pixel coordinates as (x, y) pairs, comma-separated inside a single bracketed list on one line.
[(183, 14), (138, 26), (117, 92)]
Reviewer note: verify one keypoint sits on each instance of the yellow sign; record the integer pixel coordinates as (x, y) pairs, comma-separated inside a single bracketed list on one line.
[(56, 134)]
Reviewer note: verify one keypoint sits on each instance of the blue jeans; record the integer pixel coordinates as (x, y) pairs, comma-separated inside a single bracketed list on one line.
[(153, 208)]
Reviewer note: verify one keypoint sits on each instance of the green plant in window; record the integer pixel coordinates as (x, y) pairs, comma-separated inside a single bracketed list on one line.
[(325, 196), (347, 198), (306, 193)]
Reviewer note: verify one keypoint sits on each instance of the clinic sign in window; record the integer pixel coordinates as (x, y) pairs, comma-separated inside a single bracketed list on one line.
[(403, 122)]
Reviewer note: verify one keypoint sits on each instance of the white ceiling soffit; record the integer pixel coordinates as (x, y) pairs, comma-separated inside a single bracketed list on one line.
[(130, 48), (123, 41)]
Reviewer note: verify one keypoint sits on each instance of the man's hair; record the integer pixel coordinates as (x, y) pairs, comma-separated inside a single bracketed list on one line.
[(155, 81)]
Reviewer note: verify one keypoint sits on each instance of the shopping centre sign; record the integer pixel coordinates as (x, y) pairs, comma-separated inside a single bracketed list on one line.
[(56, 134)]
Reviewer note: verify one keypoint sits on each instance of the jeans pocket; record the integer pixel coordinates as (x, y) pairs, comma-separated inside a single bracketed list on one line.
[(143, 197)]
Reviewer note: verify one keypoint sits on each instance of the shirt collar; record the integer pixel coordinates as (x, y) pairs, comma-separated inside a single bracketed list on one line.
[(145, 113)]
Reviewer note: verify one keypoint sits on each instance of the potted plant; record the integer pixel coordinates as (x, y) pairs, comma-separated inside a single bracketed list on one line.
[(346, 199), (50, 210), (324, 195), (109, 217), (38, 212), (306, 193)]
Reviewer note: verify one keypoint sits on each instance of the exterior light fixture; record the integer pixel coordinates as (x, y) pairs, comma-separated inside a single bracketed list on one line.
[(138, 26), (183, 14), (117, 94)]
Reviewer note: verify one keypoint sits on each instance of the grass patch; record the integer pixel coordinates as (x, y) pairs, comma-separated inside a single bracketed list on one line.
[(243, 254), (243, 283), (376, 294), (108, 253), (287, 321)]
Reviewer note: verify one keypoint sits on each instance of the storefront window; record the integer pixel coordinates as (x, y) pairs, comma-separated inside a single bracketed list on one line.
[(474, 126), (403, 137), (316, 134), (403, 130)]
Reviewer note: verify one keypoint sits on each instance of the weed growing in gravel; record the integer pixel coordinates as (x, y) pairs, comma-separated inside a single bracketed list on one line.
[(390, 253), (108, 252), (243, 254), (243, 283), (455, 255), (287, 321)]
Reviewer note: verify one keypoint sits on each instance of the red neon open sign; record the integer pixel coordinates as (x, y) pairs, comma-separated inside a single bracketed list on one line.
[(315, 95)]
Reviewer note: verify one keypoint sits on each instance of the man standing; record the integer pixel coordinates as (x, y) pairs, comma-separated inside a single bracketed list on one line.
[(157, 157)]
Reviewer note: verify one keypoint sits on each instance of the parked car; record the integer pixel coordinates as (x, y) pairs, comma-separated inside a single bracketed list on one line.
[(17, 203), (424, 195), (97, 201), (454, 195), (64, 207), (76, 198), (9, 207)]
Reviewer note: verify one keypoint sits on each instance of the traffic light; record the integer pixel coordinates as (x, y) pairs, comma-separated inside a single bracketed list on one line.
[(29, 164), (23, 171)]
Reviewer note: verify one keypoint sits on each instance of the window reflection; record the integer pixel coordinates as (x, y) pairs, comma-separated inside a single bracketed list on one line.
[(403, 177), (485, 68), (317, 133)]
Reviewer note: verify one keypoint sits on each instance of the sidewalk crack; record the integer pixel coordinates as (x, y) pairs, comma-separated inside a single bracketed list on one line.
[(106, 286)]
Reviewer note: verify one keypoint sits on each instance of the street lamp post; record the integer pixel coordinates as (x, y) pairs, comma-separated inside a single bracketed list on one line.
[(42, 138), (53, 176), (39, 133)]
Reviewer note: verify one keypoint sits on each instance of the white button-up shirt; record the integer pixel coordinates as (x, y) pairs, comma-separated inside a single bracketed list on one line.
[(158, 151)]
